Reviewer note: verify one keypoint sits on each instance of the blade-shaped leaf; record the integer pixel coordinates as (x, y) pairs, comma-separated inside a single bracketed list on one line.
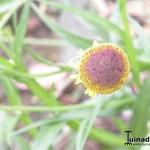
[(6, 5), (91, 17), (69, 36), (101, 135), (7, 125), (15, 99), (21, 143), (86, 126), (5, 63), (46, 136), (140, 112), (130, 49), (5, 18), (142, 39), (20, 31), (12, 93)]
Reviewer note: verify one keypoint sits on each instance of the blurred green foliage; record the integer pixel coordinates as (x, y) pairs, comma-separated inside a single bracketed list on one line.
[(79, 117)]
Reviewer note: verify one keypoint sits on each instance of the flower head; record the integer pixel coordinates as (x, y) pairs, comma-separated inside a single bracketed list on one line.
[(103, 69)]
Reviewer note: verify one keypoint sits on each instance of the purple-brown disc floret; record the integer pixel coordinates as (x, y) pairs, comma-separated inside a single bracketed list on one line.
[(105, 67)]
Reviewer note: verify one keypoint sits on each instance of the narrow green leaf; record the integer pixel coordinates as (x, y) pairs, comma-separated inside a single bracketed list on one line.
[(144, 65), (7, 125), (86, 125), (5, 18), (97, 21), (17, 48), (69, 36), (48, 99), (6, 5), (14, 98), (131, 52), (119, 103), (71, 143), (101, 135), (38, 58), (141, 111), (20, 32), (107, 137), (142, 39), (36, 41), (14, 20), (74, 110), (21, 143), (12, 93), (5, 63), (46, 136), (62, 117), (31, 126), (120, 124), (6, 50)]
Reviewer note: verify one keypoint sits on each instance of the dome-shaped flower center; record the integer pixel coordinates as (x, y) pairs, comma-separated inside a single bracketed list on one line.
[(105, 67)]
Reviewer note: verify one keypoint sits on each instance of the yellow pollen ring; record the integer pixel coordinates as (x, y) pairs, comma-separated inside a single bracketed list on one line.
[(94, 88)]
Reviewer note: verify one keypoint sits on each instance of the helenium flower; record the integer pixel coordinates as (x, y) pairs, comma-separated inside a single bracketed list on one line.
[(103, 69)]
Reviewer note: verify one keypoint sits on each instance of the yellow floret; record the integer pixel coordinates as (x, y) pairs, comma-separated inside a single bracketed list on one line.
[(95, 88)]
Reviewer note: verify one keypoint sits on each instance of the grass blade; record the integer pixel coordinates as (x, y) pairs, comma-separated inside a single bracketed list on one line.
[(46, 136), (144, 65), (12, 93), (15, 99), (17, 48), (21, 143), (36, 41), (142, 39), (5, 18), (128, 42), (86, 126), (101, 135), (9, 5), (94, 19), (20, 32), (6, 50), (140, 112), (69, 36)]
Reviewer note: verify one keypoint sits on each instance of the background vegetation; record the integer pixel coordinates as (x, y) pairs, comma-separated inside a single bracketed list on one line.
[(42, 120)]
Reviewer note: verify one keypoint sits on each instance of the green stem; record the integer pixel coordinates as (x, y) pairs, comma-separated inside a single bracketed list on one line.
[(35, 41), (113, 104), (46, 109)]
